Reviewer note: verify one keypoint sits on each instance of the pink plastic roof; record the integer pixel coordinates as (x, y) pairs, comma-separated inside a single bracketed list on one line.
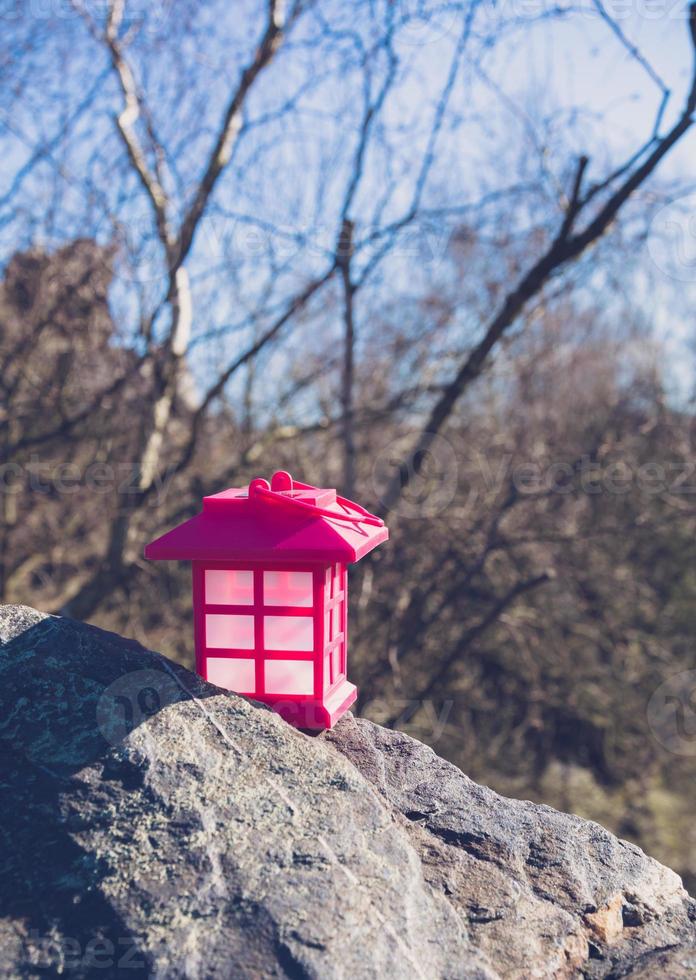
[(287, 520)]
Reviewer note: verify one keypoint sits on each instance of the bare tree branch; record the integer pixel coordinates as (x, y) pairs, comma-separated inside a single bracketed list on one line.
[(574, 202), (293, 307), (439, 676), (131, 112), (230, 127), (348, 374), (563, 249), (167, 367)]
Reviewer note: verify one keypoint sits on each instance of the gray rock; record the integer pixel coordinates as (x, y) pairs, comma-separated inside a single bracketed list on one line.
[(152, 825)]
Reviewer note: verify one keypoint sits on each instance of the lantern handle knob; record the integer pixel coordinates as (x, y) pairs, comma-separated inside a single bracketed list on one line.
[(258, 486), (281, 480)]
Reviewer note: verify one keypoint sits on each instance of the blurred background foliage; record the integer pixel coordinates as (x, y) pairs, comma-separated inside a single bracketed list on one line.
[(429, 253)]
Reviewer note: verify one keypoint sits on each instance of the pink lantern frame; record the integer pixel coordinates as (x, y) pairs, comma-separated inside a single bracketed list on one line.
[(241, 638)]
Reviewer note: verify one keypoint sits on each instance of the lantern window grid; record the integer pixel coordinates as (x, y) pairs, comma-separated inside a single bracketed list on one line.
[(331, 662), (334, 624)]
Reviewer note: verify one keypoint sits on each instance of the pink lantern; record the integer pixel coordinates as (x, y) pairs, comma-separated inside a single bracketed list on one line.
[(270, 592)]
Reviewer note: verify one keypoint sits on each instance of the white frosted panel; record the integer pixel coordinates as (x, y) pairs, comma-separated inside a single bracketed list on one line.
[(288, 633), (289, 677), (229, 632), (336, 654), (337, 579), (335, 622), (234, 675), (229, 587), (288, 588)]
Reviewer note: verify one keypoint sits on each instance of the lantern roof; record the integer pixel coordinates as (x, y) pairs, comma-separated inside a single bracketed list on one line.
[(284, 520)]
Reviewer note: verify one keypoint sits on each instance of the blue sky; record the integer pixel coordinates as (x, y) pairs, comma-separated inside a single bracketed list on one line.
[(567, 82)]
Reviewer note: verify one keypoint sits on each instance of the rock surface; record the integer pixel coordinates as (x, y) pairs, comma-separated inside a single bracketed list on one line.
[(152, 825)]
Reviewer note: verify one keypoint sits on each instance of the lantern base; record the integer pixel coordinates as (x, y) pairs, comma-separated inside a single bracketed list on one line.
[(315, 715)]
